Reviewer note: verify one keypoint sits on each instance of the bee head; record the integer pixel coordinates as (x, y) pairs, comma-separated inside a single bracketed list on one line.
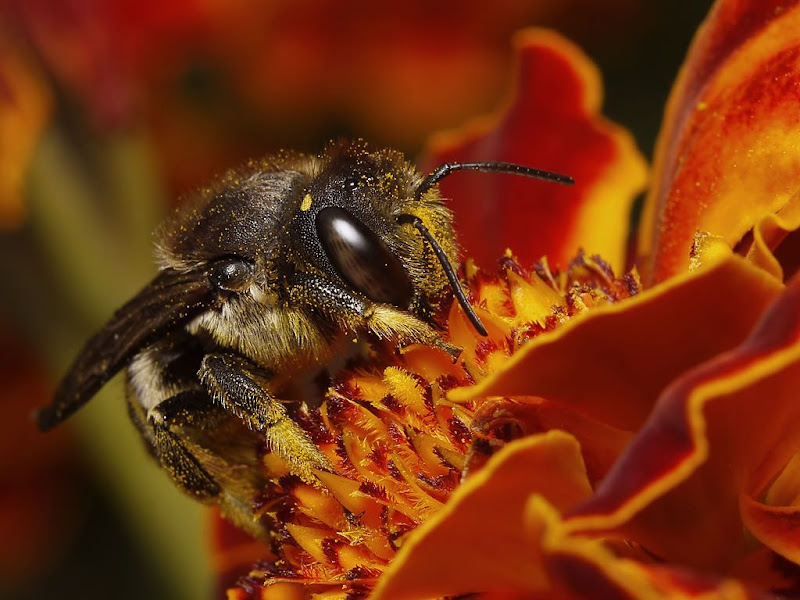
[(371, 220), (348, 224)]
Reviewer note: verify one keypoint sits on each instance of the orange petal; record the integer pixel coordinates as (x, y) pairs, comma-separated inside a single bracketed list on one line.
[(551, 122), (612, 362), (725, 429), (473, 544), (727, 152)]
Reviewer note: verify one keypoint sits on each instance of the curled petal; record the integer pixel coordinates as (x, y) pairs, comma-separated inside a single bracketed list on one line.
[(727, 152), (776, 526), (667, 330), (718, 437), (774, 243), (470, 545), (771, 245), (547, 562), (552, 122), (585, 568)]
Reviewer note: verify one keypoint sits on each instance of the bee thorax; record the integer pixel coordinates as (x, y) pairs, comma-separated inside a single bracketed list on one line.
[(273, 337)]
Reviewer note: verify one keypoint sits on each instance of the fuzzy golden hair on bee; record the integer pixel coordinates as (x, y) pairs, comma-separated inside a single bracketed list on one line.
[(266, 275)]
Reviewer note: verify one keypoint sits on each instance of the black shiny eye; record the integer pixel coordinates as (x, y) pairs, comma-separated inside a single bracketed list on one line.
[(362, 258), (231, 274)]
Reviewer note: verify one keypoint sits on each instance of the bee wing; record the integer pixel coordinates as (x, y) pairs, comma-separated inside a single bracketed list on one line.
[(169, 300)]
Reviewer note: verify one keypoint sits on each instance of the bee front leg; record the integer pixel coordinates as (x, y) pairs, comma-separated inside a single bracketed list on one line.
[(355, 312), (237, 386), (158, 426), (386, 321)]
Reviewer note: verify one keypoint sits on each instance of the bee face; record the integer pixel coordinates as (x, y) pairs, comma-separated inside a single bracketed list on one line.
[(261, 274)]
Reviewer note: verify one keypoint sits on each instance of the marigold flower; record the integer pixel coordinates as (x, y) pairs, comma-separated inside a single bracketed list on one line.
[(607, 439)]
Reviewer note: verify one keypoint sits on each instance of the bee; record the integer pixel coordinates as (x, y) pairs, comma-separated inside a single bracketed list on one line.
[(265, 276)]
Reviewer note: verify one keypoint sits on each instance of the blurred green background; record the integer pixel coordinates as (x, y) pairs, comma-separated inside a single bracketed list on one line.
[(109, 111)]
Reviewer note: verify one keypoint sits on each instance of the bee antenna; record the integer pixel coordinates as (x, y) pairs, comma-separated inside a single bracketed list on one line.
[(448, 270), (446, 169)]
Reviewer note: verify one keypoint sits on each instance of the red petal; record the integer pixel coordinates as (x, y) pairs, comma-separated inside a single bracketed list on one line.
[(39, 499), (235, 552), (551, 122)]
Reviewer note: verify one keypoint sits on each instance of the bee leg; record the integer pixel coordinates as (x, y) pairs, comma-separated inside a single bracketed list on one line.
[(386, 321), (157, 426), (354, 312), (235, 384)]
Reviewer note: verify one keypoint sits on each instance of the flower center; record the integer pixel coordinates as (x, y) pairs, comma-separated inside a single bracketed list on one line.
[(400, 446)]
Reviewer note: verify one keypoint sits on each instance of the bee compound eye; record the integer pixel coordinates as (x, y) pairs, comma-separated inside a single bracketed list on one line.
[(232, 274), (362, 259)]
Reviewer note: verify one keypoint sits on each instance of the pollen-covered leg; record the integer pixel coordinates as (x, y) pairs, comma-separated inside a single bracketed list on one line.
[(388, 322), (158, 428), (235, 384), (354, 313)]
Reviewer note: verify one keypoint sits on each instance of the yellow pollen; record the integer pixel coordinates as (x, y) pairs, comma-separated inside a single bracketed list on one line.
[(306, 203)]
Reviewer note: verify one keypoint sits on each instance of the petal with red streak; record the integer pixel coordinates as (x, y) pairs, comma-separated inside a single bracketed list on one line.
[(727, 152), (608, 577), (552, 122), (721, 433)]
